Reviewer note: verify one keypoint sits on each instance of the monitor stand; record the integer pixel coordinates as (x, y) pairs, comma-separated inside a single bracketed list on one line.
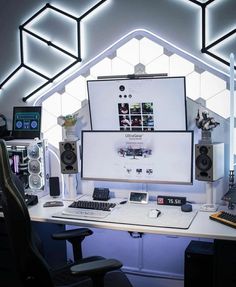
[(209, 206), (70, 187)]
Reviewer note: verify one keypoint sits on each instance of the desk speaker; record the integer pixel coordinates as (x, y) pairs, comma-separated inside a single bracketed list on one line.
[(209, 161), (69, 157)]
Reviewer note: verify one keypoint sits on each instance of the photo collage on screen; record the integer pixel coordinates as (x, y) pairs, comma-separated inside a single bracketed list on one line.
[(136, 116), (136, 168)]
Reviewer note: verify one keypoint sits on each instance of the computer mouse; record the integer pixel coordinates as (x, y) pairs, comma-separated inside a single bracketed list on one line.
[(123, 202), (186, 207), (154, 213)]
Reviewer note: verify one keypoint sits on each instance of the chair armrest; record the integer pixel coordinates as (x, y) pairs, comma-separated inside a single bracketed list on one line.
[(96, 267), (72, 234), (75, 237)]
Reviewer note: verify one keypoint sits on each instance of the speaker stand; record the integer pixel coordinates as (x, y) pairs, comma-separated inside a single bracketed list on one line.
[(70, 191), (209, 206)]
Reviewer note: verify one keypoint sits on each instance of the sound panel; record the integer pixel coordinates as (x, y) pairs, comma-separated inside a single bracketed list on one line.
[(69, 157), (209, 161)]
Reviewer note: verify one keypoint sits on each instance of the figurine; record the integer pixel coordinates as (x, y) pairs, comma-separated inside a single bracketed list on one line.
[(205, 123), (68, 123)]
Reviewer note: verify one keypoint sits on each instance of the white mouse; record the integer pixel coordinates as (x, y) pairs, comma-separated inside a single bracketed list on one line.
[(154, 213)]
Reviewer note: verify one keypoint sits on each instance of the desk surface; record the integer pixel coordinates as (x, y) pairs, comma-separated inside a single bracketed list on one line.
[(201, 225)]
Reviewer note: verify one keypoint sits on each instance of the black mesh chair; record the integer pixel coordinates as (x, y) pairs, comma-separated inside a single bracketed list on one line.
[(30, 267)]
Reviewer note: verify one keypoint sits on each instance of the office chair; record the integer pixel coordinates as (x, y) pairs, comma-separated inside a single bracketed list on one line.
[(30, 266)]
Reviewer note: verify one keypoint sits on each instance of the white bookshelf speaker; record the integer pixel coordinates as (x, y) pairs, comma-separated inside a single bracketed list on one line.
[(69, 157), (209, 161)]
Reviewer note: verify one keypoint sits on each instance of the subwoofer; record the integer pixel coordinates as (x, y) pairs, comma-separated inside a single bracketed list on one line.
[(69, 157), (209, 161)]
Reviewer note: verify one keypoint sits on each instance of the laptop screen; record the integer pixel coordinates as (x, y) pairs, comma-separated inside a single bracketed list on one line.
[(26, 122)]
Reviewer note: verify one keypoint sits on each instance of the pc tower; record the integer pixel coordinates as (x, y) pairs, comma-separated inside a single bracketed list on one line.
[(209, 161), (29, 159), (69, 157), (199, 264)]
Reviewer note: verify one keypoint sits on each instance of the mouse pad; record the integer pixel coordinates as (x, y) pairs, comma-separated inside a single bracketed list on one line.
[(133, 214)]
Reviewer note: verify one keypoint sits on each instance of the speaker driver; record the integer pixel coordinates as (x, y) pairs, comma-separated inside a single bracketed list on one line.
[(68, 157), (203, 149), (203, 162)]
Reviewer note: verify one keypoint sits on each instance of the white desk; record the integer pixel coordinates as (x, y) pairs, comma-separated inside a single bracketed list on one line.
[(130, 218)]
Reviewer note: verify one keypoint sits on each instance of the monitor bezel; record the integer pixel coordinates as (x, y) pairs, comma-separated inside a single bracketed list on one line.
[(141, 79), (136, 180)]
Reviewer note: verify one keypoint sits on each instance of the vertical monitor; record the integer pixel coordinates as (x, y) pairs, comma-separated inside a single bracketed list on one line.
[(26, 122), (153, 157), (145, 104)]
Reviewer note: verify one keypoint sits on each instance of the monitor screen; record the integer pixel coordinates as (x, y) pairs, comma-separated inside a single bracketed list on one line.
[(153, 157), (26, 122), (145, 104)]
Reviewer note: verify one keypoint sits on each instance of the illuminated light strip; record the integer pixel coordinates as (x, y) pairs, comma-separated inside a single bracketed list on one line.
[(205, 48), (117, 44), (49, 43)]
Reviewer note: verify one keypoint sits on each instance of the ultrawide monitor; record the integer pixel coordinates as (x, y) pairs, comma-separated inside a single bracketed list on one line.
[(153, 157), (145, 104)]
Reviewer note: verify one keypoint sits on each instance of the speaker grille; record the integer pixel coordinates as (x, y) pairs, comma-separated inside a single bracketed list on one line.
[(203, 162), (209, 161), (69, 157)]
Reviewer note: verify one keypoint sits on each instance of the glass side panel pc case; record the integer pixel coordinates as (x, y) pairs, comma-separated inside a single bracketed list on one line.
[(26, 122), (151, 157), (138, 104)]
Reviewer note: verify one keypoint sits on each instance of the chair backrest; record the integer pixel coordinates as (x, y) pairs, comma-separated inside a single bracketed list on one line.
[(32, 269)]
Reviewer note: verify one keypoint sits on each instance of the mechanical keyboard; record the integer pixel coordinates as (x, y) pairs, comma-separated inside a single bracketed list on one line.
[(224, 218), (96, 205), (87, 209)]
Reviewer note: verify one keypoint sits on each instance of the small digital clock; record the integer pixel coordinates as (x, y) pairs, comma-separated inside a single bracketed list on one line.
[(171, 200), (138, 197)]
